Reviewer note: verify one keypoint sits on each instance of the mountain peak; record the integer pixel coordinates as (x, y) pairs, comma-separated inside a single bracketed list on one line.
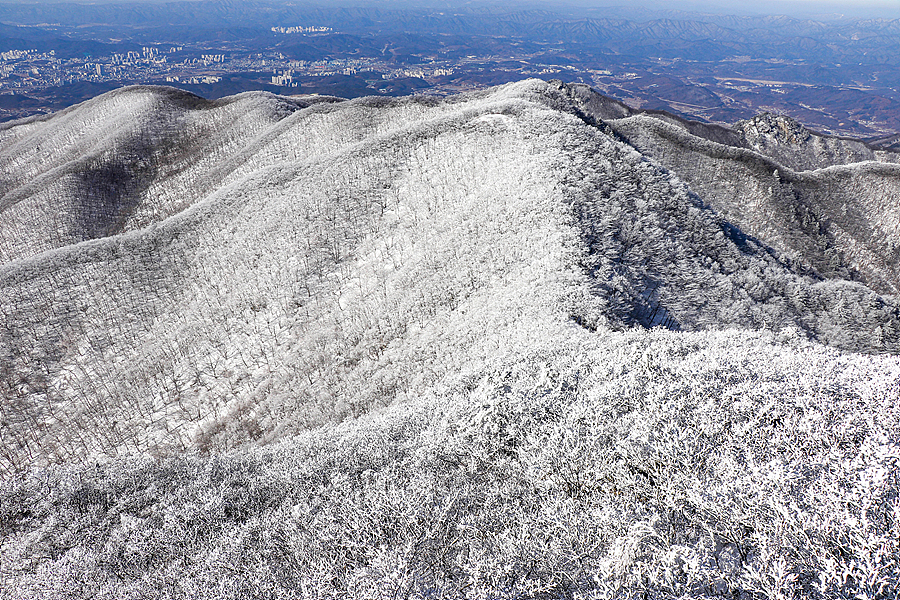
[(769, 127)]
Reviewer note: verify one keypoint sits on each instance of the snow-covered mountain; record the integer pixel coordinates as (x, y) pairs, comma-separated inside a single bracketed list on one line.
[(830, 201), (526, 291)]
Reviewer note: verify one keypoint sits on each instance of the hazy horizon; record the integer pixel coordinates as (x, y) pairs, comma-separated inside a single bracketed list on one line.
[(800, 8)]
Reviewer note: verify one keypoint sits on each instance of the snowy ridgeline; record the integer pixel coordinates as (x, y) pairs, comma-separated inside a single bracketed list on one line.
[(842, 220), (338, 257), (833, 202), (467, 285)]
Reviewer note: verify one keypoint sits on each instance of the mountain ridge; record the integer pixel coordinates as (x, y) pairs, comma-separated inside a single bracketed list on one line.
[(310, 249), (502, 344), (817, 227)]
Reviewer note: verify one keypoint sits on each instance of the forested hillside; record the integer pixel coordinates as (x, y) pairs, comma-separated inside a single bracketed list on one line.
[(119, 162), (830, 201), (504, 344)]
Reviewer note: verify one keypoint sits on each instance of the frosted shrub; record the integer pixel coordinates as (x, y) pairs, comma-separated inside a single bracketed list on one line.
[(660, 464)]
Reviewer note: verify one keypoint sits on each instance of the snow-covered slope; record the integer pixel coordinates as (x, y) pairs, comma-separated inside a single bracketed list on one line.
[(471, 271), (347, 254), (119, 162), (774, 136), (625, 465), (833, 203)]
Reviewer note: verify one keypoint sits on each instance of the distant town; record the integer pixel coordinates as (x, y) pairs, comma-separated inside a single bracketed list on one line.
[(22, 70), (698, 69)]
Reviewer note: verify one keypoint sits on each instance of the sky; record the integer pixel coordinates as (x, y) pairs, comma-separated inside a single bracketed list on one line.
[(885, 8), (866, 8)]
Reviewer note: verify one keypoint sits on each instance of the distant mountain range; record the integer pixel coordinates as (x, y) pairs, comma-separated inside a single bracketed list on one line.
[(857, 36), (866, 40), (490, 310)]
